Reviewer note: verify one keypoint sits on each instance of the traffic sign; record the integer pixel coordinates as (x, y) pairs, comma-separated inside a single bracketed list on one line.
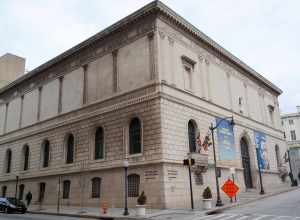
[(230, 188)]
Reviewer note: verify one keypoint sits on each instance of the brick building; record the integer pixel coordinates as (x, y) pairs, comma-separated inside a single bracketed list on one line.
[(143, 90)]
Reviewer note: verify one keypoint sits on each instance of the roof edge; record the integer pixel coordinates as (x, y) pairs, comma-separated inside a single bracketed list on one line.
[(132, 17)]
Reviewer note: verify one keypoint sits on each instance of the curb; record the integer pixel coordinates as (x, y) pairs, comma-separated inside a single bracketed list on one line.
[(218, 210), (85, 216)]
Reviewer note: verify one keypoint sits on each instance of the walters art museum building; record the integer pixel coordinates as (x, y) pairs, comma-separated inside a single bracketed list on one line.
[(146, 90)]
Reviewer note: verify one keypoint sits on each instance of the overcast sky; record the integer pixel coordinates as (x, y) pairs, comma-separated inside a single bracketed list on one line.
[(264, 34)]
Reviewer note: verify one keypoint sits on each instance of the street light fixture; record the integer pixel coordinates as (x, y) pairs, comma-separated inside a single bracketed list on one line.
[(212, 128), (125, 165)]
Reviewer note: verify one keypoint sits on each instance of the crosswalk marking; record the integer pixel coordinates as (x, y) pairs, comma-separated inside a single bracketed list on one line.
[(240, 216)]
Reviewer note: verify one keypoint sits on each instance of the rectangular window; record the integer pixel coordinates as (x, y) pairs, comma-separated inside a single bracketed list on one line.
[(271, 113), (188, 69), (291, 121), (293, 135)]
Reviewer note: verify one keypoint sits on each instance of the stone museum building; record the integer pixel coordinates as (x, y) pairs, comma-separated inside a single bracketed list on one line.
[(144, 90)]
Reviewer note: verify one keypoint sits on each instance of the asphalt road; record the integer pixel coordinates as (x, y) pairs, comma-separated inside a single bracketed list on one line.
[(285, 206), (34, 217)]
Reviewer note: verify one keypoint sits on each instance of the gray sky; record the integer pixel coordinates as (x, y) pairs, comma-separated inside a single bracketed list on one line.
[(264, 34)]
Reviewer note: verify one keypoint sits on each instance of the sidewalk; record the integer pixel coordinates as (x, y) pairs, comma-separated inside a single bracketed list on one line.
[(157, 214)]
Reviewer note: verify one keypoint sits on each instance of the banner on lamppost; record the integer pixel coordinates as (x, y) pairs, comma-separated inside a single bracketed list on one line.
[(262, 151), (226, 144)]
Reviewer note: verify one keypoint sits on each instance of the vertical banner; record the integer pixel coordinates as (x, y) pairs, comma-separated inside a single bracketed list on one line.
[(225, 136), (262, 157)]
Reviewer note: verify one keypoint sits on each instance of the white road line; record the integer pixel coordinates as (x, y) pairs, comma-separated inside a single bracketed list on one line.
[(262, 216), (211, 216), (242, 217)]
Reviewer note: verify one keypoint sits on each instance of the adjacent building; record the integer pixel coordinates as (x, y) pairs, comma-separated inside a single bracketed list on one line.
[(291, 126), (11, 67), (144, 90)]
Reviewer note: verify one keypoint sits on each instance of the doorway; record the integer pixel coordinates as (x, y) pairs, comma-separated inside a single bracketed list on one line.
[(246, 163)]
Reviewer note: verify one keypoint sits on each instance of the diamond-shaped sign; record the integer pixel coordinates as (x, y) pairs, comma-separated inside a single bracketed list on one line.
[(230, 188)]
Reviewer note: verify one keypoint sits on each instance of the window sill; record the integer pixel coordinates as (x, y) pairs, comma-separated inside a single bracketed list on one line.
[(134, 155)]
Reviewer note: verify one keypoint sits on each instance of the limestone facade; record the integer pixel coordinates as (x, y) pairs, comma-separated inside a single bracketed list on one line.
[(153, 66)]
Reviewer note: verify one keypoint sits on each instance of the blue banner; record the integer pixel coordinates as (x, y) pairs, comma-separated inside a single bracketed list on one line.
[(226, 142), (262, 152)]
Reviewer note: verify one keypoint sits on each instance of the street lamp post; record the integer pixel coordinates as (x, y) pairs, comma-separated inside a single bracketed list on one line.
[(212, 128), (17, 182), (125, 165), (294, 182), (232, 172), (262, 191)]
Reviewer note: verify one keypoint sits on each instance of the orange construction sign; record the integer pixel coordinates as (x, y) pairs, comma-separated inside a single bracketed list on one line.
[(230, 188)]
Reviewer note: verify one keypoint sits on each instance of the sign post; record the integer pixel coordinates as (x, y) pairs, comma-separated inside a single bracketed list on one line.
[(190, 162)]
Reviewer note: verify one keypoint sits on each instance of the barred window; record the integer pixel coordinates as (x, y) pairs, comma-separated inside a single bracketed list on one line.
[(70, 149), (99, 143), (21, 191), (135, 146), (26, 157), (4, 189), (133, 185), (46, 153), (8, 161), (192, 136), (96, 187), (66, 189), (42, 192)]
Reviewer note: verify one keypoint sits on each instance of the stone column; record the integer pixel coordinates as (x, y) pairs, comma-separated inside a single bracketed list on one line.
[(21, 111), (61, 79), (115, 71), (208, 78), (39, 103), (85, 84), (151, 55), (5, 120), (229, 89)]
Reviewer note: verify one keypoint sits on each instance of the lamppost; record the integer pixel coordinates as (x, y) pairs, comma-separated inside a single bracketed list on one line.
[(17, 182), (58, 195), (294, 182), (232, 172), (262, 191), (125, 165), (212, 128)]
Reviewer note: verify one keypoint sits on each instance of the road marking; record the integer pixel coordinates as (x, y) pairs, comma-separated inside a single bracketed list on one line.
[(211, 216), (262, 216), (242, 217)]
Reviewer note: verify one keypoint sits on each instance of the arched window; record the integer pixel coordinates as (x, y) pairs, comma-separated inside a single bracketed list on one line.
[(21, 191), (133, 185), (135, 146), (26, 157), (8, 161), (4, 189), (99, 143), (70, 149), (192, 129), (66, 189), (42, 192), (96, 187), (277, 154), (45, 153)]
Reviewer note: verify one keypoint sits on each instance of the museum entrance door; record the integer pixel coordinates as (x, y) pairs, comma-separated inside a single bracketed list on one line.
[(246, 163)]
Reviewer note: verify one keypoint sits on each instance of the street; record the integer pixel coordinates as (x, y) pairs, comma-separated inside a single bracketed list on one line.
[(285, 206), (281, 207), (33, 217)]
